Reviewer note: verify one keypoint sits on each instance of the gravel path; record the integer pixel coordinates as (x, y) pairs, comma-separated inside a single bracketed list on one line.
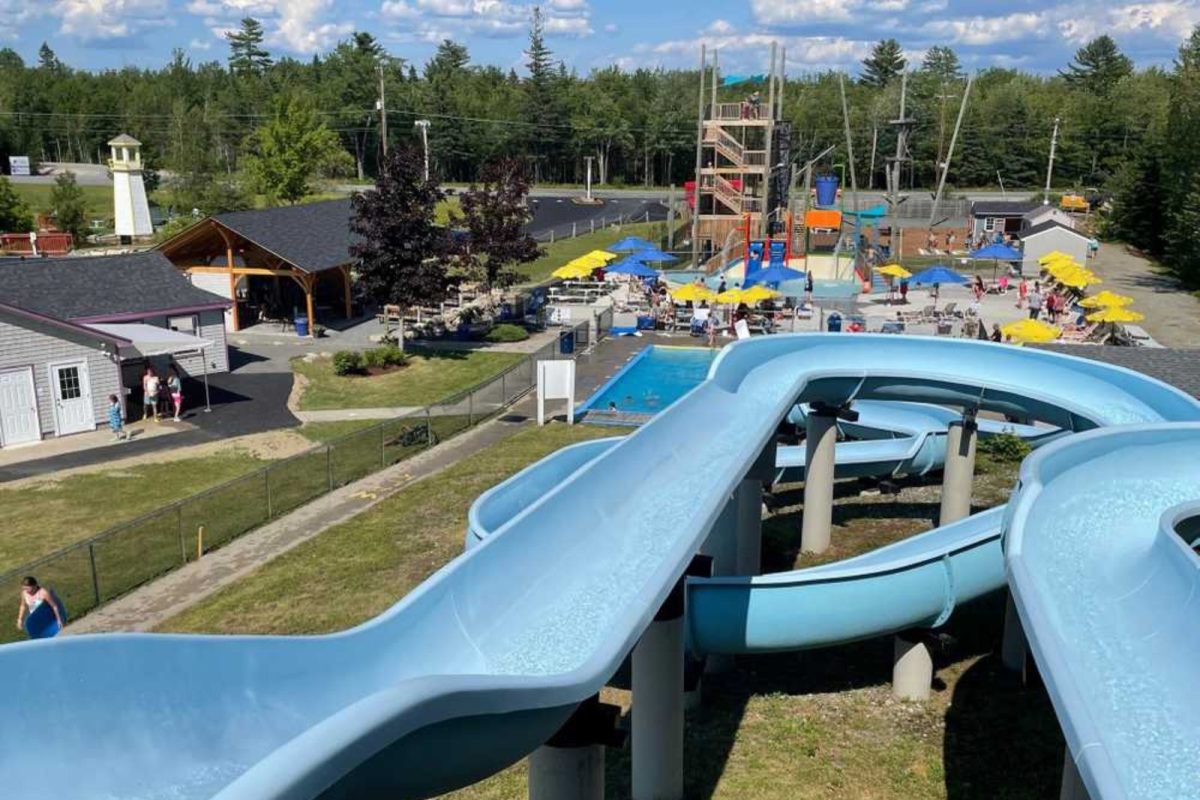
[(1172, 314)]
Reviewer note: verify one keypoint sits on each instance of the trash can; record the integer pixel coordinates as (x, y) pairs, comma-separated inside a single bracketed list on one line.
[(301, 323), (833, 323), (827, 187), (566, 342)]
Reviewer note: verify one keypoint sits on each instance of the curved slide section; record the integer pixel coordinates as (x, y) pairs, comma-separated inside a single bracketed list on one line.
[(482, 663), (1109, 594)]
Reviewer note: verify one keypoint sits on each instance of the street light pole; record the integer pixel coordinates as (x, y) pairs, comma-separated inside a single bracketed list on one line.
[(383, 133), (589, 160), (423, 124)]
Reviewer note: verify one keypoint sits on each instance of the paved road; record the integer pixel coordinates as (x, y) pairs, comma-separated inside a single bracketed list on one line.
[(1172, 314)]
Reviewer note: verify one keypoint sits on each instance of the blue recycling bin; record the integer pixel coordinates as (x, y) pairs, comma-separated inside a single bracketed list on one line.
[(833, 323), (566, 342), (827, 187), (301, 323)]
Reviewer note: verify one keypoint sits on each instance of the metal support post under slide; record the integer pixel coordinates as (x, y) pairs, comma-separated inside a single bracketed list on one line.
[(958, 475), (912, 667), (722, 545), (1072, 783), (658, 686), (570, 766), (749, 526), (819, 444), (1014, 650)]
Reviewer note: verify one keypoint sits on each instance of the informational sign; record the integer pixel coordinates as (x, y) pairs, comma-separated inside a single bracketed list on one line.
[(18, 165), (556, 381), (742, 329)]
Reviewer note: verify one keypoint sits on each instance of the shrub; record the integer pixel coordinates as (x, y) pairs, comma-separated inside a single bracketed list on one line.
[(348, 362), (391, 356), (507, 333), (1004, 447), (373, 359)]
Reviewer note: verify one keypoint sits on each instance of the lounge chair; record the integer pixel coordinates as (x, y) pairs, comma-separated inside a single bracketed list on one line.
[(926, 314), (950, 310)]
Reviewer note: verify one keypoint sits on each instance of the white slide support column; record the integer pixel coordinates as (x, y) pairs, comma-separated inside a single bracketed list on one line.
[(657, 713), (1014, 650), (958, 475), (749, 526), (570, 766), (912, 667), (820, 439)]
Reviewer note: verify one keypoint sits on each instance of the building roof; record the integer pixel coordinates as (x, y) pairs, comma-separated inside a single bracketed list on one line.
[(98, 288), (1179, 367), (1050, 224), (125, 139), (312, 237), (1002, 208)]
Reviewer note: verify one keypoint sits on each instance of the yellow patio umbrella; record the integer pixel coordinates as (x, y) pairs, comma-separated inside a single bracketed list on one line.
[(1115, 314), (757, 293), (601, 257), (732, 296), (895, 270), (694, 292), (1061, 265), (1031, 330), (572, 271), (1076, 278), (1105, 299), (1052, 256)]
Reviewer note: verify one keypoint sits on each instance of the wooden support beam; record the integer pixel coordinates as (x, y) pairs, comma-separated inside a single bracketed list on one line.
[(346, 288), (309, 280), (236, 323), (240, 270)]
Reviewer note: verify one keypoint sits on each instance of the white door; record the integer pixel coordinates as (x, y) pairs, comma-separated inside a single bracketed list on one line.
[(18, 407), (72, 398)]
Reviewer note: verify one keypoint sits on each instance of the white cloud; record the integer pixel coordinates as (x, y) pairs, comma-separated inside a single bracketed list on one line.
[(888, 5), (415, 20), (749, 50), (568, 5), (612, 27), (933, 6), (200, 44), (991, 30), (568, 26), (794, 13), (1165, 20), (720, 27), (299, 26), (109, 19)]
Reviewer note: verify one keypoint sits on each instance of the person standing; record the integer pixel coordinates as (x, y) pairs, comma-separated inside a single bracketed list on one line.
[(1035, 302), (175, 389), (1022, 292), (116, 422), (32, 598), (904, 291), (808, 288), (997, 334), (150, 384)]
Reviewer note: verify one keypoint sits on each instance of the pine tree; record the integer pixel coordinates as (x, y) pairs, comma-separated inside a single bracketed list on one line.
[(47, 60), (495, 215), (942, 62), (885, 63), (14, 214), (69, 206), (246, 53), (399, 246), (1098, 66), (541, 96)]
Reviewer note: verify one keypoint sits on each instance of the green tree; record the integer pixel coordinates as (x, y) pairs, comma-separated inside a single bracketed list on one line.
[(542, 99), (942, 62), (247, 56), (47, 60), (399, 247), (495, 215), (289, 150), (885, 63), (1098, 66), (14, 214), (69, 206)]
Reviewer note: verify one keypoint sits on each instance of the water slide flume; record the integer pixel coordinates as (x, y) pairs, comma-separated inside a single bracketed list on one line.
[(482, 662)]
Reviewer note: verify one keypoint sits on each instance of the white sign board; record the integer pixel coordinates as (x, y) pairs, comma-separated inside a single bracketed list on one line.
[(556, 381), (742, 329), (18, 165)]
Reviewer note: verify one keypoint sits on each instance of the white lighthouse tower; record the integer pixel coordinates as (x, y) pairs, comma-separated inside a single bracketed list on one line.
[(132, 210)]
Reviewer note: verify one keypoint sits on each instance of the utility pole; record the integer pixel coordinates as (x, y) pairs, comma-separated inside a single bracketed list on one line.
[(383, 134), (874, 144), (950, 153), (699, 153), (589, 160), (765, 213), (423, 124), (1050, 166), (849, 143), (903, 125)]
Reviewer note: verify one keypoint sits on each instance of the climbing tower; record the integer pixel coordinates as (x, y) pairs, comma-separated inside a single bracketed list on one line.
[(742, 162)]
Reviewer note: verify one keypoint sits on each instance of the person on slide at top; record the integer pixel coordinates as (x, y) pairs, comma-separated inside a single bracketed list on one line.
[(32, 597)]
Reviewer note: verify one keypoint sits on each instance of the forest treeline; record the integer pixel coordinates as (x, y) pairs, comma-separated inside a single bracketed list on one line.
[(1122, 130)]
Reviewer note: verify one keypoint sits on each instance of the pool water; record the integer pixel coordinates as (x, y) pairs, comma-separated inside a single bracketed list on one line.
[(651, 381)]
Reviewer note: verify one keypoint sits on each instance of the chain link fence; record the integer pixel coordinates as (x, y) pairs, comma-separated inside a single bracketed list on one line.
[(95, 571)]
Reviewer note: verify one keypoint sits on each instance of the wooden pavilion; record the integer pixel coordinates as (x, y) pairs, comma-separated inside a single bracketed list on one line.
[(272, 262)]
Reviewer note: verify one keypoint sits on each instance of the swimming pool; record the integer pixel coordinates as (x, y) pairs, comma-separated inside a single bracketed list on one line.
[(652, 380)]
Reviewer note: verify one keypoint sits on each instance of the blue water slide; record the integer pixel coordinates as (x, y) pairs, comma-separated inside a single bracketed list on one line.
[(483, 662)]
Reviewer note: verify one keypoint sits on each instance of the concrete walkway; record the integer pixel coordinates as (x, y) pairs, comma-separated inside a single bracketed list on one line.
[(1172, 313), (339, 414)]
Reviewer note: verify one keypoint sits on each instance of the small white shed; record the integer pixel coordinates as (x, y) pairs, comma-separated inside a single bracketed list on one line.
[(1047, 237)]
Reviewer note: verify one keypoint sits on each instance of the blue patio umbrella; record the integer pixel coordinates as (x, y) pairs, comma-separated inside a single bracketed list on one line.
[(772, 275), (632, 266), (1000, 252), (652, 254), (629, 244), (937, 274)]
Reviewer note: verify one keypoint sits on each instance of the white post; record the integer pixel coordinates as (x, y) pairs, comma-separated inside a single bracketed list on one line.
[(1014, 650), (723, 545), (749, 527), (1072, 782), (819, 443), (423, 124), (589, 160), (658, 705), (912, 668), (567, 773), (958, 475)]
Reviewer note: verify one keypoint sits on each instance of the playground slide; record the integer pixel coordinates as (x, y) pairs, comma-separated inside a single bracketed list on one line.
[(482, 662)]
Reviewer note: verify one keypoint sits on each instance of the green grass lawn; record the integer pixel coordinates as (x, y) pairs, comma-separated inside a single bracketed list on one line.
[(816, 724), (37, 197), (378, 556), (565, 250), (429, 377)]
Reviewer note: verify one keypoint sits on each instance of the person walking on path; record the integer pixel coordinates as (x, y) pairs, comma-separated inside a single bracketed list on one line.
[(904, 291), (116, 422), (175, 389), (32, 598), (150, 384), (1022, 292), (1035, 302)]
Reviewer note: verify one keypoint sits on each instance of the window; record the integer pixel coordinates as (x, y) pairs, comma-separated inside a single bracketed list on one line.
[(186, 324), (989, 224), (68, 383)]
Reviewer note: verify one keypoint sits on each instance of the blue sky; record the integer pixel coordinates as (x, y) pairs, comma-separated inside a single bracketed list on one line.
[(1038, 35)]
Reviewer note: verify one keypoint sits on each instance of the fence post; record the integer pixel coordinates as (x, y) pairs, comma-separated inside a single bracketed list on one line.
[(382, 447), (592, 225), (95, 577), (551, 236), (573, 234), (470, 408), (329, 464), (503, 389), (179, 525), (428, 427)]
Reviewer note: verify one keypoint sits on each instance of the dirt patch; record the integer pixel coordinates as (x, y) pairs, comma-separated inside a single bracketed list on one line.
[(267, 446)]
